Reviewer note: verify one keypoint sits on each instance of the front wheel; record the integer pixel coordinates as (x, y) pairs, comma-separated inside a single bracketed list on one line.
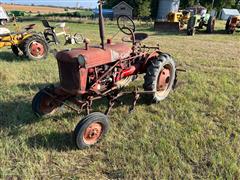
[(90, 130), (160, 77), (191, 32), (43, 103), (78, 38)]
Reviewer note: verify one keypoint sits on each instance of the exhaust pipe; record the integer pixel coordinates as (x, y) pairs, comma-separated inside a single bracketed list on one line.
[(101, 23)]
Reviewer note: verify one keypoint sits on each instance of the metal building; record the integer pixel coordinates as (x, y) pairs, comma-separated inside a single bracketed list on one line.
[(166, 6)]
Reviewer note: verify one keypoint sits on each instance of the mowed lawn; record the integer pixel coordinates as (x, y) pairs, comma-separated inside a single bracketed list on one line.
[(194, 133)]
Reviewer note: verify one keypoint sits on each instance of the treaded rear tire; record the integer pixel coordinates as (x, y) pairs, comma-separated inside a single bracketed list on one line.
[(15, 50), (152, 77), (211, 24), (26, 47)]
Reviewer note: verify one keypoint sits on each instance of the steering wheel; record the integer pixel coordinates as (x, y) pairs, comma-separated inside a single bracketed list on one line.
[(125, 23), (130, 33)]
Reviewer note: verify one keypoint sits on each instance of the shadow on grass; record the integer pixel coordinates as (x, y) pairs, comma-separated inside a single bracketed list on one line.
[(16, 113), (11, 57), (53, 141), (37, 86), (62, 141)]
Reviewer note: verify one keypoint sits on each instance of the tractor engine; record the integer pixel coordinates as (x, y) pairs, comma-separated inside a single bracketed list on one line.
[(93, 68)]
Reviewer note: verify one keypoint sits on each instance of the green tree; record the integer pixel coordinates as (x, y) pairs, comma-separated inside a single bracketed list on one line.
[(144, 9)]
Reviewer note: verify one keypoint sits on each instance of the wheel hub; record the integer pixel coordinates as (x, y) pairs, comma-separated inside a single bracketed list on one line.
[(163, 80), (36, 49), (92, 133)]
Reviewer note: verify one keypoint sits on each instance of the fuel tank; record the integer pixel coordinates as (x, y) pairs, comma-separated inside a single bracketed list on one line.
[(96, 56)]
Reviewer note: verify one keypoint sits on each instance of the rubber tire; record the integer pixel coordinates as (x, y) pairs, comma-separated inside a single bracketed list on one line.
[(15, 50), (84, 123), (37, 101), (211, 24), (28, 41), (3, 22), (227, 26), (78, 38), (151, 78), (191, 32), (191, 26)]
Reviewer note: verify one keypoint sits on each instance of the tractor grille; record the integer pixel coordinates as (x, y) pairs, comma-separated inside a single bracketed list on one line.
[(69, 75)]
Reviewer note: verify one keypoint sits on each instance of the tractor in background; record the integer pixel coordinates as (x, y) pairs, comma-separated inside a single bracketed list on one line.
[(233, 22), (24, 42), (175, 21), (199, 20)]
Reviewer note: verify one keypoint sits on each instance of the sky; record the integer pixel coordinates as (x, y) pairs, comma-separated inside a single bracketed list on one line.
[(69, 3)]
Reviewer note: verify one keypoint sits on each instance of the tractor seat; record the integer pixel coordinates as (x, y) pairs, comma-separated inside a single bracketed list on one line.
[(29, 27), (47, 25)]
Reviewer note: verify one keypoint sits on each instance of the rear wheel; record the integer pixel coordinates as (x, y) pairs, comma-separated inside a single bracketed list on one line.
[(191, 26), (160, 77), (191, 32), (35, 48), (90, 130), (211, 24), (43, 104)]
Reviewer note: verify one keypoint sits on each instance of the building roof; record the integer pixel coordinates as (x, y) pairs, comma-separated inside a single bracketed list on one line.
[(123, 2), (231, 11)]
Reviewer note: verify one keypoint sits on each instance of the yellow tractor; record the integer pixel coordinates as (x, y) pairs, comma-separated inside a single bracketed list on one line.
[(25, 42), (180, 18), (175, 21)]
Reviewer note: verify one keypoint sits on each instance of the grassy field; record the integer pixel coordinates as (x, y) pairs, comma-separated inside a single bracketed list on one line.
[(194, 133)]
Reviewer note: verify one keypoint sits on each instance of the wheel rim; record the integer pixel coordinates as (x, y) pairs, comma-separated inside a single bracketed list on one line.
[(92, 133), (164, 80), (78, 38), (46, 105), (36, 49)]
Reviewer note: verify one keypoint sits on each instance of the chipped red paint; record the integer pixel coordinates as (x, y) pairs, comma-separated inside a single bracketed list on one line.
[(96, 56)]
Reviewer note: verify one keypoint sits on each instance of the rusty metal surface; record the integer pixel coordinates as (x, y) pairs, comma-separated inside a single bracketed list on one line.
[(96, 56)]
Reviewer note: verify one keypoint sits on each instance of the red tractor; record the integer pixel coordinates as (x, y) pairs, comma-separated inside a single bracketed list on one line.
[(94, 72), (232, 24)]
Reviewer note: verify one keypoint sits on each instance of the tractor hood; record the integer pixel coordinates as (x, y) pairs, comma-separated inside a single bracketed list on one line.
[(96, 56)]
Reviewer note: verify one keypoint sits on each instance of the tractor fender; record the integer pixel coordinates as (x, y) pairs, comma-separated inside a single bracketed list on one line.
[(154, 54)]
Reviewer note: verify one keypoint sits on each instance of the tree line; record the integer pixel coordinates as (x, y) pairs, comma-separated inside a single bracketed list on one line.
[(146, 8)]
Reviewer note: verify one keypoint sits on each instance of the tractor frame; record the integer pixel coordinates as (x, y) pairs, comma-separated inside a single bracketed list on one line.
[(95, 72)]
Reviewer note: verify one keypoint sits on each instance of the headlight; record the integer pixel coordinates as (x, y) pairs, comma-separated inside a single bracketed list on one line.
[(81, 60)]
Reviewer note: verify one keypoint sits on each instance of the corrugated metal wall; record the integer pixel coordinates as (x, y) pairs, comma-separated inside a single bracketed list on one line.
[(166, 6)]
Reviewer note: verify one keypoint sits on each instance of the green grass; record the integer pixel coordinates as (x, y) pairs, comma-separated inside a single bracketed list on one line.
[(194, 133)]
